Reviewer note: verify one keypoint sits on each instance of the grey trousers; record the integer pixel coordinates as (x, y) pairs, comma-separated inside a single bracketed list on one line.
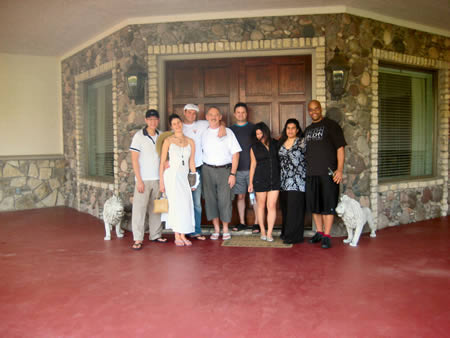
[(217, 193), (143, 204)]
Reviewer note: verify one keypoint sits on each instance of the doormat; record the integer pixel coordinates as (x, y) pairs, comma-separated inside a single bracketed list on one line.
[(254, 241)]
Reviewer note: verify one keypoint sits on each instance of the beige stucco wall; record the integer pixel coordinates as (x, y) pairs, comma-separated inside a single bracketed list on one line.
[(30, 105)]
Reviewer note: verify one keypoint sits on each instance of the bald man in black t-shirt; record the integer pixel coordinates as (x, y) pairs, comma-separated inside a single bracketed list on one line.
[(325, 156)]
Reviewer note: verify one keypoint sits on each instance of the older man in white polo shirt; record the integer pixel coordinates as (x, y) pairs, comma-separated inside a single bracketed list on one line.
[(220, 161), (194, 129)]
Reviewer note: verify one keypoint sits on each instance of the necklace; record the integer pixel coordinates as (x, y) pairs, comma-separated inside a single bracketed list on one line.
[(182, 156), (181, 144), (289, 143)]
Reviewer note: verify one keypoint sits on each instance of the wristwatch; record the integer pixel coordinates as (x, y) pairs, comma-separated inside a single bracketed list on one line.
[(232, 174)]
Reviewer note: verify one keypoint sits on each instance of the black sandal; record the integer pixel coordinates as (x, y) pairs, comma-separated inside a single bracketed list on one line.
[(160, 240), (255, 229), (239, 227), (137, 246)]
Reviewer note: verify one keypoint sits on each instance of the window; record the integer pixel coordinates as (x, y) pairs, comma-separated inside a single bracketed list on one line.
[(98, 129), (406, 124)]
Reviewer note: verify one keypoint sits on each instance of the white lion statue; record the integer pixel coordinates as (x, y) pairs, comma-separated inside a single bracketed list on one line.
[(112, 216), (354, 218)]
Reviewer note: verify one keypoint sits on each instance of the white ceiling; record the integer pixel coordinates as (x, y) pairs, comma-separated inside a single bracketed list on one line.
[(60, 27)]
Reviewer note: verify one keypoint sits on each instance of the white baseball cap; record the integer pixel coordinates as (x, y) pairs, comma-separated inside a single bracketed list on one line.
[(191, 106)]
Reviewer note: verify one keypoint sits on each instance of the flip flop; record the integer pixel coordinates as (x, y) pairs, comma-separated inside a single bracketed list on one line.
[(137, 246), (187, 242), (160, 240), (226, 236), (179, 242), (255, 229), (239, 227), (198, 237)]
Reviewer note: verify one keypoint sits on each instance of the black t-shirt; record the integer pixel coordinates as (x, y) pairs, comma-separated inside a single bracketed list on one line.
[(243, 135), (323, 139)]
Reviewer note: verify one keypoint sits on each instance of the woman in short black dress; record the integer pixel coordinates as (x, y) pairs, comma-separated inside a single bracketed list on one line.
[(265, 177), (293, 178)]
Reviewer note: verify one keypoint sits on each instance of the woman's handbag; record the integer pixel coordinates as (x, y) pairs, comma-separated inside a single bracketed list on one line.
[(161, 204)]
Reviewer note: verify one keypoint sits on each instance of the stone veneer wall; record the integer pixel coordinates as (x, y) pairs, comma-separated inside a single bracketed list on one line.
[(27, 183), (356, 37)]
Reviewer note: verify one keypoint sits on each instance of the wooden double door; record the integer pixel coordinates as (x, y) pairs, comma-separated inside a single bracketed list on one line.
[(275, 89)]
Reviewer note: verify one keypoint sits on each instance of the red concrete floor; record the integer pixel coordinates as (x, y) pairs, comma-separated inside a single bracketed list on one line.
[(58, 278)]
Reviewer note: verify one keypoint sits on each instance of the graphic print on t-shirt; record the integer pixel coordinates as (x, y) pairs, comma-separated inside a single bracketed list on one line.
[(315, 134)]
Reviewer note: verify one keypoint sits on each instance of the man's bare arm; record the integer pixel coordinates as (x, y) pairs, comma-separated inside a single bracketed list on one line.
[(137, 171), (337, 177)]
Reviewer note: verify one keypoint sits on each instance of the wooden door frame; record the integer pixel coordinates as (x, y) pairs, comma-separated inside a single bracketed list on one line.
[(157, 72)]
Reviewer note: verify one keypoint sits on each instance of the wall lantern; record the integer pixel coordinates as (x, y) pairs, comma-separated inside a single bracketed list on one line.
[(135, 78), (337, 75)]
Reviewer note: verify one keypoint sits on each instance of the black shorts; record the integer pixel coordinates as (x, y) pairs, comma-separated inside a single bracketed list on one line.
[(322, 195)]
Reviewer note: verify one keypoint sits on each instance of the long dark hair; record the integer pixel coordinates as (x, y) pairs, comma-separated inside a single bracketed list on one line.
[(284, 136), (173, 117), (266, 133)]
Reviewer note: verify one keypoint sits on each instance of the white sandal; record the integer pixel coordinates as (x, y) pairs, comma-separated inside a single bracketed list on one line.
[(215, 236), (226, 236), (263, 238)]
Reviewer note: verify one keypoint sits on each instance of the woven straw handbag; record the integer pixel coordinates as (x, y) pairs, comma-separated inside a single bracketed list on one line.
[(161, 204)]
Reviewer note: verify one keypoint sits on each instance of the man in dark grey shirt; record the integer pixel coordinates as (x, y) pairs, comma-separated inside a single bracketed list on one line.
[(243, 131)]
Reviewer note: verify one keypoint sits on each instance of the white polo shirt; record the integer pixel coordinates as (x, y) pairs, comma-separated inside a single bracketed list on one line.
[(195, 131), (145, 145), (219, 151)]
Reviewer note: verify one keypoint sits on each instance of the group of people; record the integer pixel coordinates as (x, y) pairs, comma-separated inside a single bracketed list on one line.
[(302, 169)]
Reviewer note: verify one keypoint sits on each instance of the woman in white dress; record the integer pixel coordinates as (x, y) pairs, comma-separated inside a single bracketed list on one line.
[(180, 150)]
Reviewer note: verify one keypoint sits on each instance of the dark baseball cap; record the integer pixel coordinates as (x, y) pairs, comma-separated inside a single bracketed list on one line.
[(151, 113)]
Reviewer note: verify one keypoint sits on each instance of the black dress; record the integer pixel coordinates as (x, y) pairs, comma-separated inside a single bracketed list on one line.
[(267, 172)]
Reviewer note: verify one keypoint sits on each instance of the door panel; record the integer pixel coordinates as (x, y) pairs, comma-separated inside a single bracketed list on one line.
[(291, 79), (259, 112), (214, 88), (184, 87), (293, 110), (258, 81), (274, 88)]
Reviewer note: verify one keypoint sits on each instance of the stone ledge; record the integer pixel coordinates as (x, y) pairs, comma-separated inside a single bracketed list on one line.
[(97, 183), (416, 184), (32, 157)]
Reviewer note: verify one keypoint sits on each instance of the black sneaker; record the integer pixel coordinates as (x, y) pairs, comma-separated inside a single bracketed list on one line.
[(326, 242), (316, 238)]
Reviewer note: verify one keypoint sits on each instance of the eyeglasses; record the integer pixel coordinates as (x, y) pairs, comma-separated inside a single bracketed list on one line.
[(314, 109)]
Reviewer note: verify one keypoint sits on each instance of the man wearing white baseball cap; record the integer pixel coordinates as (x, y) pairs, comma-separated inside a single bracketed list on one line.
[(194, 129)]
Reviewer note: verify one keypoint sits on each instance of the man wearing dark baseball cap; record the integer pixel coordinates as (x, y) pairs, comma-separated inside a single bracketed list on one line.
[(145, 160), (152, 113)]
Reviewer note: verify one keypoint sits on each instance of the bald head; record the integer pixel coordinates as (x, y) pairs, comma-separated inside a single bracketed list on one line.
[(315, 111)]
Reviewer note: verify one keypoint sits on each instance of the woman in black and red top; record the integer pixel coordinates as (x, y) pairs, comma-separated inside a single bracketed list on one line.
[(265, 177)]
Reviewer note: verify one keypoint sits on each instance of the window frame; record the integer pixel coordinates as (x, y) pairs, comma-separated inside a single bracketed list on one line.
[(435, 137), (85, 117)]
